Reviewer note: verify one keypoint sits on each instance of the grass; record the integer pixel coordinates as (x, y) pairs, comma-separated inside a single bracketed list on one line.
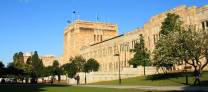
[(171, 79), (59, 88)]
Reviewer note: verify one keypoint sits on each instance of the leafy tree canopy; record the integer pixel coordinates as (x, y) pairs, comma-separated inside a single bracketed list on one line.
[(91, 65)]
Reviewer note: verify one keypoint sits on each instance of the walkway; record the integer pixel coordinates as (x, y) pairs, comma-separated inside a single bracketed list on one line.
[(158, 88)]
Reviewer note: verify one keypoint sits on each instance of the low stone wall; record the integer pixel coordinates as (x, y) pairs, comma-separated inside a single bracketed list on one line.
[(107, 76)]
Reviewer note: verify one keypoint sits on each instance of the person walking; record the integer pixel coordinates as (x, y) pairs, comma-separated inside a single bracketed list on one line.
[(78, 79), (197, 77)]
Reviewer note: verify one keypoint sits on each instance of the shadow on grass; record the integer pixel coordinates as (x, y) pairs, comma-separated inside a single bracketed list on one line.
[(27, 87), (172, 75), (167, 76), (179, 77)]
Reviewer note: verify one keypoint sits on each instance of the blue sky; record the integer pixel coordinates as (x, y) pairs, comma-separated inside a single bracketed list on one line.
[(29, 25)]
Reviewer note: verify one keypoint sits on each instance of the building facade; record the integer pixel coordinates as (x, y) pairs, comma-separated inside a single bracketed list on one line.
[(46, 59), (101, 41), (81, 34)]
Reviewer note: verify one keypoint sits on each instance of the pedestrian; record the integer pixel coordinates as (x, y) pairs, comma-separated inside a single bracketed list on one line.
[(52, 78), (197, 77), (78, 79)]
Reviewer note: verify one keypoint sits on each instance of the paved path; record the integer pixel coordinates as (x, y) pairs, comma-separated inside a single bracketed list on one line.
[(159, 88)]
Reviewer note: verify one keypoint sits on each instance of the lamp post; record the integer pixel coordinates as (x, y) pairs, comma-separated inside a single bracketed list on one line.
[(85, 78), (186, 67), (85, 71), (126, 47), (119, 68)]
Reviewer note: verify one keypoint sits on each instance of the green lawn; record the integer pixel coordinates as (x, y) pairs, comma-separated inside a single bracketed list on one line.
[(173, 79), (58, 88)]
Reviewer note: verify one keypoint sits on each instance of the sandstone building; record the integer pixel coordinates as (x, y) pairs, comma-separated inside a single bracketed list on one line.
[(47, 59), (101, 41)]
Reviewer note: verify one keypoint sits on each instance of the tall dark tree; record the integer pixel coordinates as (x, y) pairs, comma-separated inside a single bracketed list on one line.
[(19, 65), (18, 60), (141, 54), (56, 69), (37, 67), (171, 23), (2, 69)]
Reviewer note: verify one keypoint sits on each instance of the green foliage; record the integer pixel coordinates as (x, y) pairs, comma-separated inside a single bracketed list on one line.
[(47, 71), (56, 70), (79, 62), (70, 69), (18, 60), (182, 45), (91, 65), (2, 69), (171, 23), (36, 67), (55, 64), (141, 55), (163, 50), (12, 70), (1, 65)]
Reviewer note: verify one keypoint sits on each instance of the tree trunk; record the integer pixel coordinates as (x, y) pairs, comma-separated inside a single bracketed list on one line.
[(59, 78)]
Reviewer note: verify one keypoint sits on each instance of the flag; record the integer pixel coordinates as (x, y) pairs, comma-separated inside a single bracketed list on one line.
[(68, 21), (74, 12)]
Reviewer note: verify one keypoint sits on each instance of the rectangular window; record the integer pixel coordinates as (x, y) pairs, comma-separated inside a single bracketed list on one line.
[(97, 37), (149, 41), (154, 38), (94, 38), (207, 23), (101, 37), (203, 25)]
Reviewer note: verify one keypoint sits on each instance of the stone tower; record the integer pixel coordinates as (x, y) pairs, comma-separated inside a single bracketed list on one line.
[(81, 34)]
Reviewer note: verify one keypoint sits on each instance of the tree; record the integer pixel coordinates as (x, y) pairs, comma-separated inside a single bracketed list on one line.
[(18, 60), (76, 65), (184, 44), (37, 67), (56, 69), (14, 72), (163, 52), (171, 23), (90, 65), (79, 61), (18, 64), (70, 69), (141, 54), (28, 68), (163, 48), (194, 49), (2, 69)]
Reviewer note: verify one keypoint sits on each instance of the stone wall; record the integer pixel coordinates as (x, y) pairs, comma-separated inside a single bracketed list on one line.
[(107, 76)]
